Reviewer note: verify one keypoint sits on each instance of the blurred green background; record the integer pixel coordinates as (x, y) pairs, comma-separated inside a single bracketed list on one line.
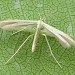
[(58, 13)]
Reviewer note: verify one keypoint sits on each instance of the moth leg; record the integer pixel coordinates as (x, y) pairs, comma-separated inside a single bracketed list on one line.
[(19, 48), (18, 31), (36, 36), (51, 50)]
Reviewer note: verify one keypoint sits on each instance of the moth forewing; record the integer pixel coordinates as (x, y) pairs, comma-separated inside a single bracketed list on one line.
[(69, 39), (16, 25), (56, 35), (63, 35), (13, 24), (17, 21)]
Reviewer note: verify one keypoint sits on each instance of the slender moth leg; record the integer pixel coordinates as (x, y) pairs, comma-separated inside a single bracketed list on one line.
[(36, 35), (51, 50), (18, 31), (19, 48)]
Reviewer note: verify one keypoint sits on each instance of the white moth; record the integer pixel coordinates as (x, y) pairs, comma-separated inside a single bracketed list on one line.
[(39, 27)]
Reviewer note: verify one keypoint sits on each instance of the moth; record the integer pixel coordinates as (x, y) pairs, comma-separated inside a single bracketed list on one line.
[(38, 27)]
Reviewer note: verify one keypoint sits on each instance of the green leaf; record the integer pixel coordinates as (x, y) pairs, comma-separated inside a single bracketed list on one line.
[(58, 13)]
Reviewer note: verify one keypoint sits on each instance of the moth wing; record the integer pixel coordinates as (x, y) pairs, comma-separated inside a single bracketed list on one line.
[(56, 35), (64, 35), (13, 24)]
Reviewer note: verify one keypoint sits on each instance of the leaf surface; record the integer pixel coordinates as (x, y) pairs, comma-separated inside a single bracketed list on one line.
[(58, 13)]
